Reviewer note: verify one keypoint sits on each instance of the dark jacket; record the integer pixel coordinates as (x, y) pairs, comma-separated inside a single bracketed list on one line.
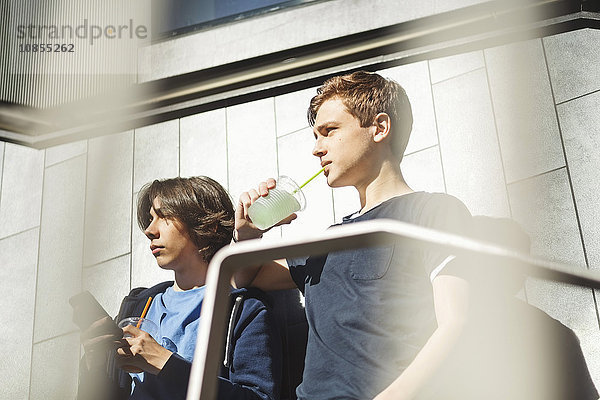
[(252, 369)]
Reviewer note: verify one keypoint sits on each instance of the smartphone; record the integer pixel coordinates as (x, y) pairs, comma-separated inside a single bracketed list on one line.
[(86, 310)]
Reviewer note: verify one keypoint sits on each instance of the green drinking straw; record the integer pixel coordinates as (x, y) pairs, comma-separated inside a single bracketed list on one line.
[(309, 179)]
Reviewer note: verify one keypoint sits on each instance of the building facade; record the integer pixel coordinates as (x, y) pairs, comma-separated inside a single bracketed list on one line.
[(512, 130)]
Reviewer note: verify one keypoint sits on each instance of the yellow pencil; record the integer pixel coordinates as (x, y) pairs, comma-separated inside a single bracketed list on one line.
[(144, 312)]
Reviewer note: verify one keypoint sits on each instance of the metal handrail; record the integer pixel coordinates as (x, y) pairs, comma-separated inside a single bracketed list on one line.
[(229, 260)]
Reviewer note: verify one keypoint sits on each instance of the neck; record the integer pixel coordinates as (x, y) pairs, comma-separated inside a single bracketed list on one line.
[(190, 278), (385, 182)]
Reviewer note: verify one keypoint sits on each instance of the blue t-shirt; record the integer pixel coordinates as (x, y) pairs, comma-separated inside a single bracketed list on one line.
[(177, 314), (371, 310)]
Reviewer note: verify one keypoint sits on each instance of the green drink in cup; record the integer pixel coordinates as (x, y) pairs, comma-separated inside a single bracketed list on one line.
[(285, 199)]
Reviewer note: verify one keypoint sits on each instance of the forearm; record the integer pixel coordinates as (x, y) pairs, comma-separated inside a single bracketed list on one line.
[(245, 276), (452, 309), (424, 367), (175, 375), (272, 275)]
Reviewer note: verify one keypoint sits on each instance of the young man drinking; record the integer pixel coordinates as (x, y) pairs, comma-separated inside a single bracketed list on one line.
[(186, 221), (381, 320)]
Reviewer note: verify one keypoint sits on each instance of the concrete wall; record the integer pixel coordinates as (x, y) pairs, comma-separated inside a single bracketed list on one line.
[(511, 131), (285, 29)]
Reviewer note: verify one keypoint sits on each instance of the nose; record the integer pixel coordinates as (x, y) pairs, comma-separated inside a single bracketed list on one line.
[(151, 232), (318, 150)]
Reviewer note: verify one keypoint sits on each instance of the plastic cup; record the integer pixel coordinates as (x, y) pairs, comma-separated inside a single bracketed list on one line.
[(285, 199), (146, 325)]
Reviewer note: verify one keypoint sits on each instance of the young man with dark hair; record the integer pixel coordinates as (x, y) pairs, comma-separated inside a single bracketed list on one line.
[(186, 220), (381, 320)]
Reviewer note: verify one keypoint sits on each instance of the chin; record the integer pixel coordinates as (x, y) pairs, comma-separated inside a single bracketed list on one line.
[(335, 183), (331, 180), (164, 265)]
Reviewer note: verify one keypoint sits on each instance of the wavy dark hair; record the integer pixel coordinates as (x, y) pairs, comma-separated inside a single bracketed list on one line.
[(200, 203), (366, 94)]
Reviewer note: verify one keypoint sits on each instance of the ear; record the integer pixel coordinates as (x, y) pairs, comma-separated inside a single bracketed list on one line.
[(382, 124)]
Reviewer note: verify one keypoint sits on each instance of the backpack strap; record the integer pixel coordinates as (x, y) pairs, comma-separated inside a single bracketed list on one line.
[(233, 318), (236, 305)]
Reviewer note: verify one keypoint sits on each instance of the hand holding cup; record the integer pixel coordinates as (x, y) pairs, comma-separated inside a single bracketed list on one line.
[(260, 210), (141, 352)]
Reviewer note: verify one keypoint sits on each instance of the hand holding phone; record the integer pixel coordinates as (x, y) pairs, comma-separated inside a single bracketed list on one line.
[(86, 310), (99, 332)]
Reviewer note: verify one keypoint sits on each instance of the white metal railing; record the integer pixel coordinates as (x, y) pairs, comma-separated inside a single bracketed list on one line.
[(203, 377)]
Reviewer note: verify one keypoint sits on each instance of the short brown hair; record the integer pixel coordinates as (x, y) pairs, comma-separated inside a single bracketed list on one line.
[(366, 94), (200, 203)]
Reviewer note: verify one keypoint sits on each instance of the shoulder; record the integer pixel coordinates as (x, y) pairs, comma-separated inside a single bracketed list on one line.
[(434, 210), (144, 293), (416, 204), (137, 297), (441, 201), (443, 211)]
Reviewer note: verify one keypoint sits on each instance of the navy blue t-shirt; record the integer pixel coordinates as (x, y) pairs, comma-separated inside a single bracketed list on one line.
[(371, 310)]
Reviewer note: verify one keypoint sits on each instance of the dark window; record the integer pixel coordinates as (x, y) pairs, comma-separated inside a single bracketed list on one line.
[(175, 17)]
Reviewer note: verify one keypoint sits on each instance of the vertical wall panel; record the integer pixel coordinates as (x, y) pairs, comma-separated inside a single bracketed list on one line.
[(252, 151), (345, 202), (21, 196), (54, 368), (61, 243), (544, 207), (580, 122), (469, 145), (108, 282), (64, 152), (156, 153), (453, 66), (108, 197), (414, 78), (17, 284), (423, 170), (291, 109), (524, 110), (204, 145), (573, 60)]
